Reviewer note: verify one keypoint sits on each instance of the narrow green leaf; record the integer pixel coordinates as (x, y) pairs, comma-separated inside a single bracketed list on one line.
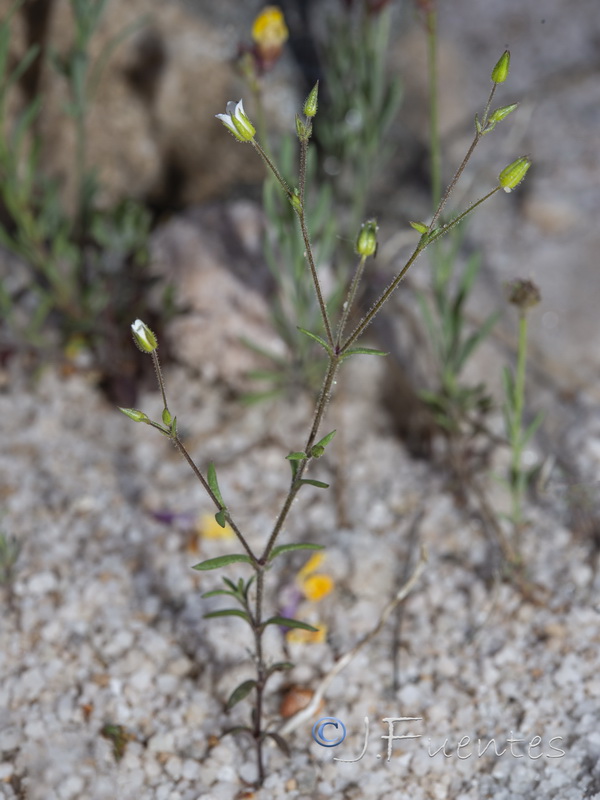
[(215, 592), (533, 426), (238, 729), (298, 456), (318, 339), (228, 612), (325, 440), (220, 517), (365, 351), (280, 666), (241, 691), (288, 548), (318, 484), (287, 622), (214, 486), (509, 385), (222, 561)]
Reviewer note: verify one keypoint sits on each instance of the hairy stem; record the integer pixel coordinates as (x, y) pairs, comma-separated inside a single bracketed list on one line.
[(516, 433)]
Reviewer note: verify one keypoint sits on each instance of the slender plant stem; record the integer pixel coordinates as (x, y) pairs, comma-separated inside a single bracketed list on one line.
[(159, 377), (269, 163), (322, 402), (465, 161), (425, 242), (260, 674), (300, 214), (376, 307), (516, 434), (180, 446), (350, 300), (315, 277)]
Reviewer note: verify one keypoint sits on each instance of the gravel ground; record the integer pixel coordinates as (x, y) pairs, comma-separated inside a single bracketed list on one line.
[(103, 624)]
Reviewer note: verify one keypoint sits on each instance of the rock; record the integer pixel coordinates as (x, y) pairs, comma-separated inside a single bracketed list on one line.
[(151, 127), (211, 257)]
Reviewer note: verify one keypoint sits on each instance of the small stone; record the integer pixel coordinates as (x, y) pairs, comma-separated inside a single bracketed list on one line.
[(173, 767), (42, 582), (162, 743), (6, 772), (191, 770)]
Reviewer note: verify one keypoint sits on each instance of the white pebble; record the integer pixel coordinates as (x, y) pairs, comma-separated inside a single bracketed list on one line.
[(191, 770), (173, 767), (42, 582), (162, 743)]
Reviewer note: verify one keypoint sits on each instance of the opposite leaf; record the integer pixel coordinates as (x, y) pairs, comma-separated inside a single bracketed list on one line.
[(241, 691), (288, 548), (214, 485), (287, 622), (222, 561)]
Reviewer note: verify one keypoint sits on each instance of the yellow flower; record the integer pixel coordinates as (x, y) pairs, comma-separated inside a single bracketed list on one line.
[(269, 30), (313, 563), (307, 637), (314, 585), (208, 528)]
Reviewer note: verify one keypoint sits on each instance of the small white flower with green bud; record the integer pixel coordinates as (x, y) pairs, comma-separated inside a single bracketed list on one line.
[(237, 123), (366, 243), (500, 71), (144, 337), (511, 176)]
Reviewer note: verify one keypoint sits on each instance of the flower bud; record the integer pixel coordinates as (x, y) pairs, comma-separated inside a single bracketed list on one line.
[(420, 227), (134, 414), (500, 113), (500, 71), (310, 106), (511, 176), (366, 243), (143, 337), (294, 199), (303, 130)]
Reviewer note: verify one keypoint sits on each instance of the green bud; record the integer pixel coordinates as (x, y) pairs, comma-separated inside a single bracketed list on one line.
[(134, 414), (295, 201), (500, 71), (366, 243), (420, 227), (143, 337), (317, 451), (511, 176), (166, 417), (310, 106), (500, 113), (303, 130)]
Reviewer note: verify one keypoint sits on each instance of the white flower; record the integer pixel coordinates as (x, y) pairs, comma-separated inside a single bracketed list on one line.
[(236, 122), (143, 337)]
